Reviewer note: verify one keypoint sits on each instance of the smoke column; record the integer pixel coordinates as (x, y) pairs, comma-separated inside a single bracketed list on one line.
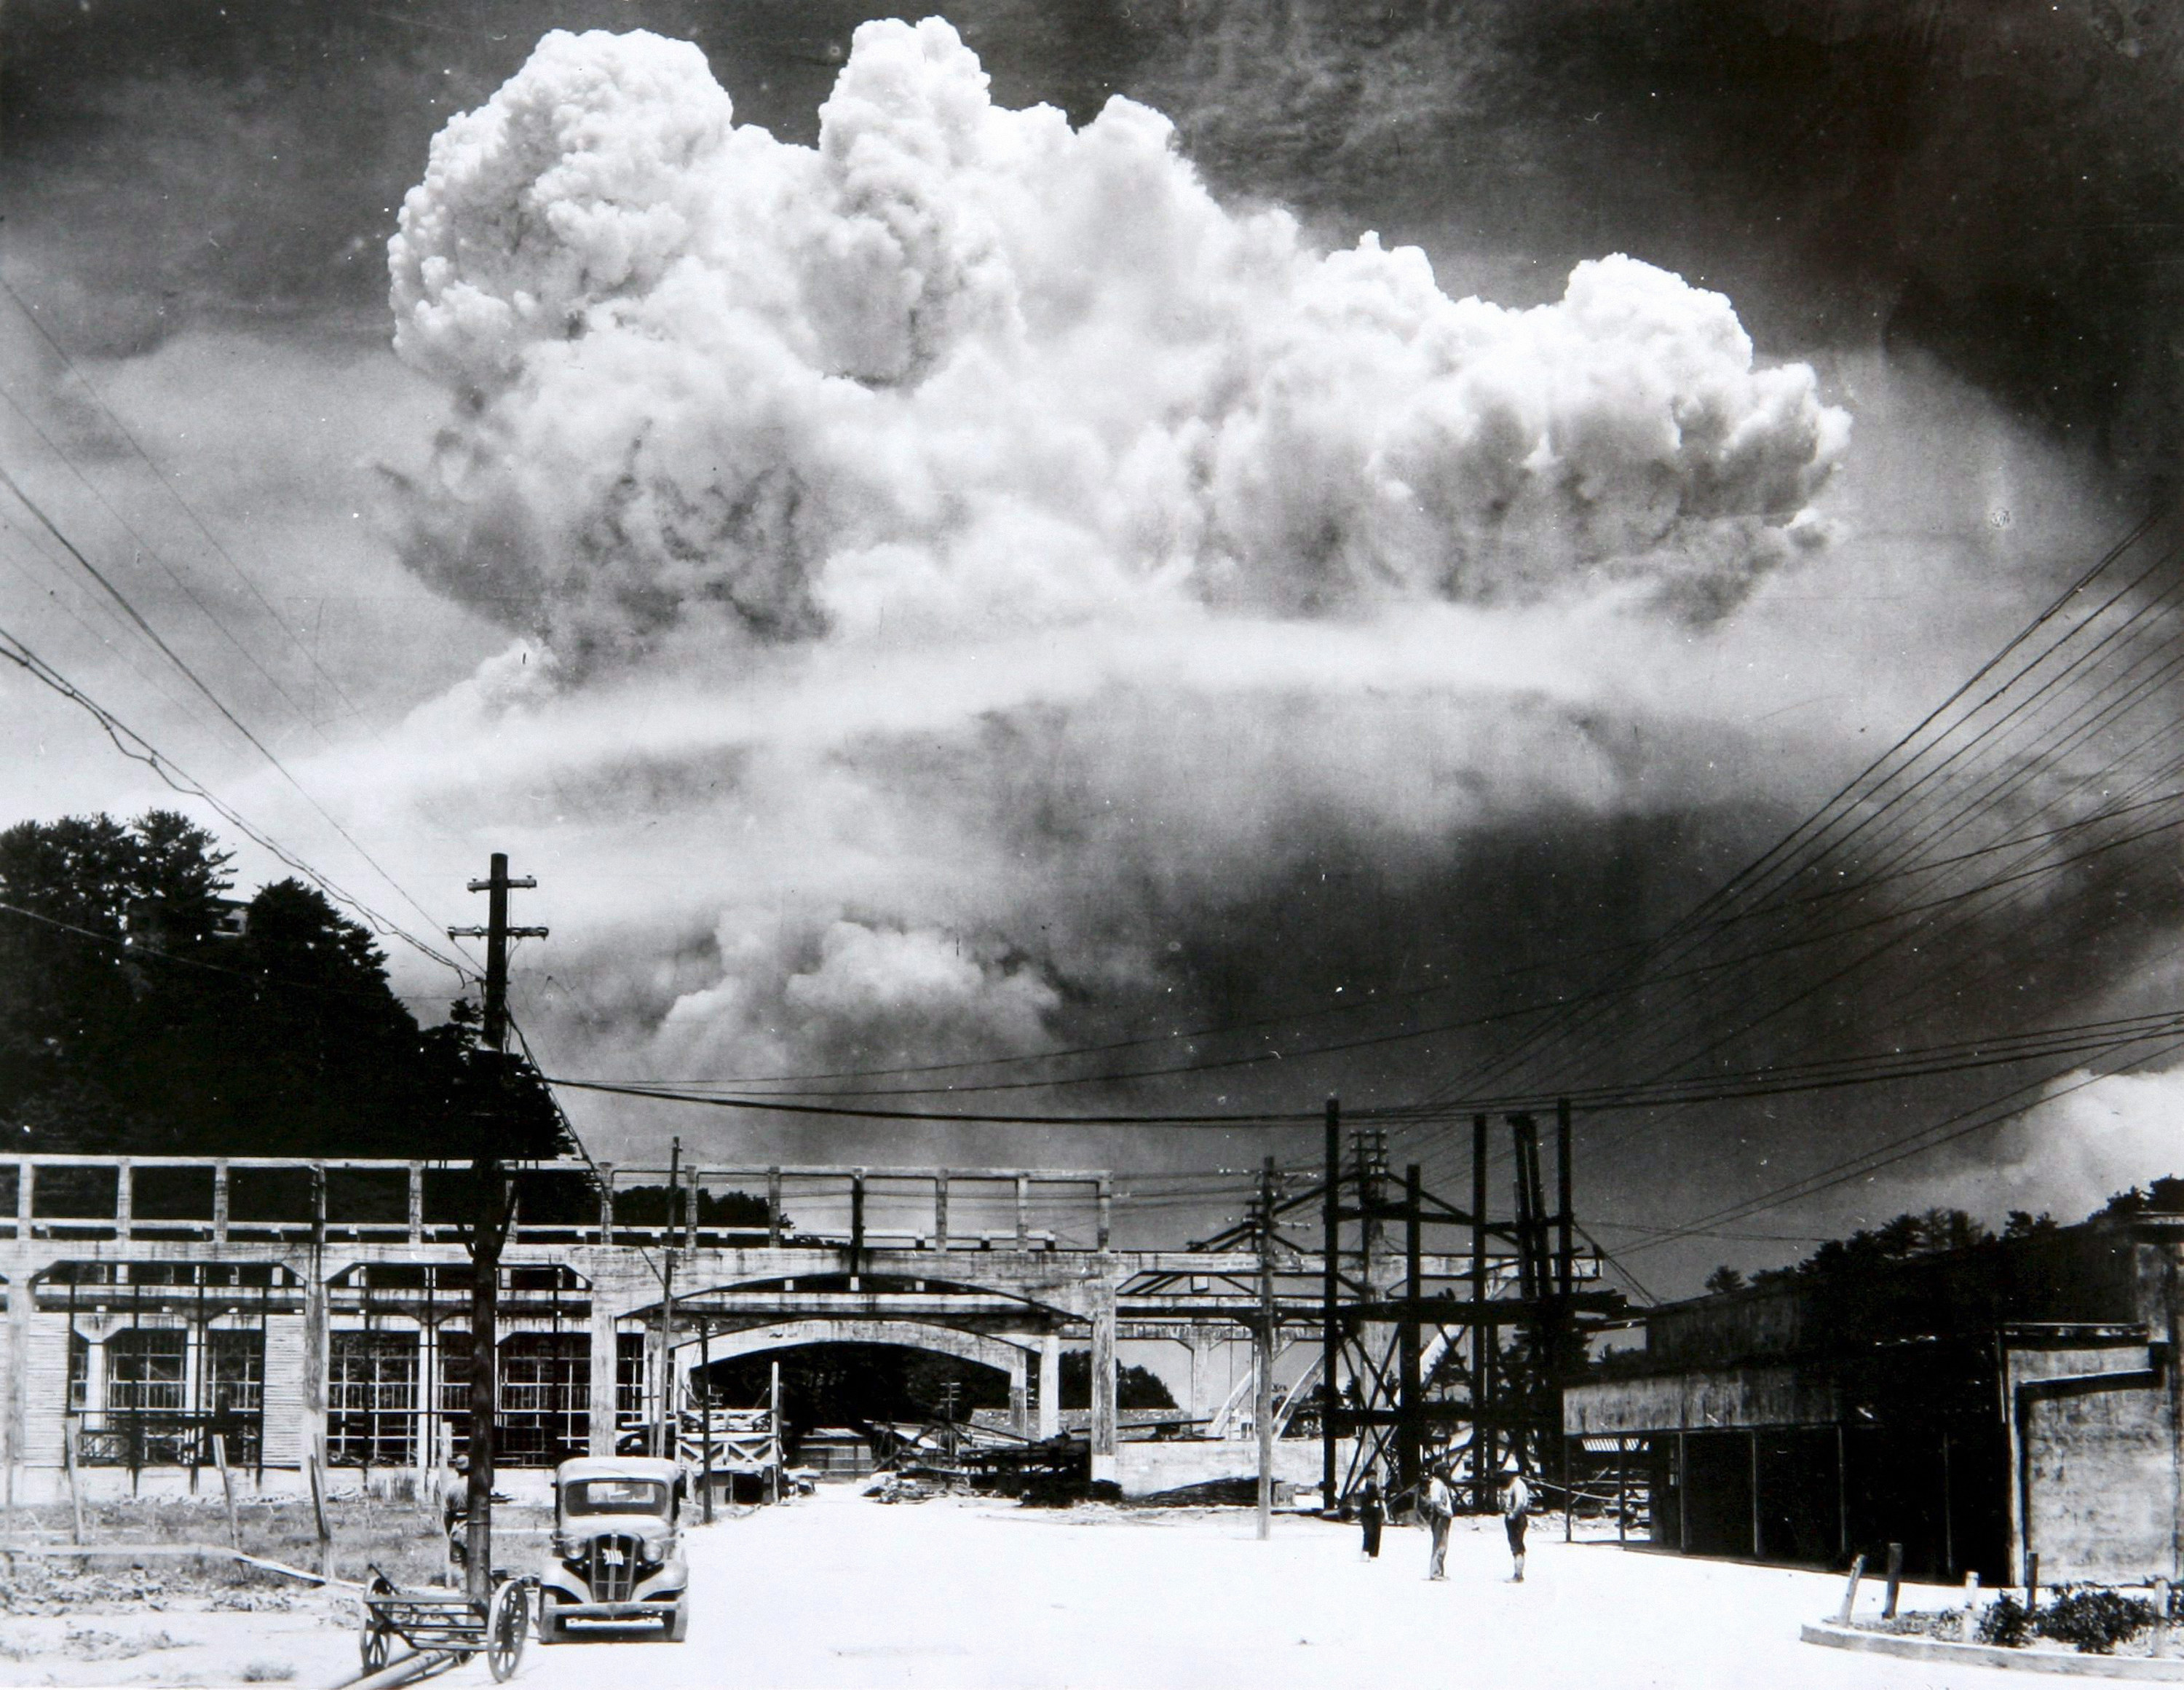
[(1010, 573)]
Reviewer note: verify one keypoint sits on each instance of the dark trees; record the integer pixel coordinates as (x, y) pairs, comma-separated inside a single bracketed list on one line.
[(142, 1011)]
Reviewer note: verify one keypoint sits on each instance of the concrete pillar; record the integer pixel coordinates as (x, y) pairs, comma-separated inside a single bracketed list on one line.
[(1019, 1410), (26, 1180), (941, 1210), (416, 1203), (1050, 1385), (311, 1386), (1201, 1404), (220, 1202), (603, 1382), (15, 1365), (125, 1199), (1103, 1382)]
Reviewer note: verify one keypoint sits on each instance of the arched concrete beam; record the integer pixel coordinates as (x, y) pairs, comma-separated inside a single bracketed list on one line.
[(1003, 1355)]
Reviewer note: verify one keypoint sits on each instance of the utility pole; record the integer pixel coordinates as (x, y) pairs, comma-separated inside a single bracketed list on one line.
[(660, 1444), (1263, 1351), (491, 1213), (1330, 1322)]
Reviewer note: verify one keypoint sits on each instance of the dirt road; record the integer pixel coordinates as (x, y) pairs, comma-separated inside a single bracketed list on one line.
[(838, 1590)]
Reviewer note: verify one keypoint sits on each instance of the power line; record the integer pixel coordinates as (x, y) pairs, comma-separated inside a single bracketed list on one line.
[(31, 317), (154, 954), (148, 549), (134, 746), (92, 569)]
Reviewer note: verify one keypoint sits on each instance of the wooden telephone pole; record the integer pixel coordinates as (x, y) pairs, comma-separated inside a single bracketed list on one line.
[(1262, 1350), (491, 1213)]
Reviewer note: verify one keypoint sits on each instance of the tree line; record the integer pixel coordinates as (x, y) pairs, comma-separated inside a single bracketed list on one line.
[(145, 1012)]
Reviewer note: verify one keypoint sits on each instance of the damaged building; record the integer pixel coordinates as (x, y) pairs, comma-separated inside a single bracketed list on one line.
[(2015, 1398)]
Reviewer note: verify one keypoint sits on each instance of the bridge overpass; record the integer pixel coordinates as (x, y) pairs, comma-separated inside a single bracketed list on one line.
[(298, 1308)]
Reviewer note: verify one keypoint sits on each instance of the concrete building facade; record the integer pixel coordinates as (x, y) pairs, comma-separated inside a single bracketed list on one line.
[(2017, 1399), (144, 1348)]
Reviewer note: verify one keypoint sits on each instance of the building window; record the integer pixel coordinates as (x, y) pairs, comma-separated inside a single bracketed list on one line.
[(545, 1397), (372, 1399), (146, 1369), (235, 1372), (630, 1405), (79, 1372)]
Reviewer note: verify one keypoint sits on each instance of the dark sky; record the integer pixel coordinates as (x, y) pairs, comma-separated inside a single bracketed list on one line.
[(1982, 203), (1998, 183)]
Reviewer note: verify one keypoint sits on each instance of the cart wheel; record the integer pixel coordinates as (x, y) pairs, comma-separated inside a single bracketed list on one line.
[(373, 1646), (506, 1623)]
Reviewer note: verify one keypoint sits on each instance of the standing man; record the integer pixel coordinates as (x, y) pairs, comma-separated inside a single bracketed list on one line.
[(1371, 1515), (1515, 1509), (1437, 1505)]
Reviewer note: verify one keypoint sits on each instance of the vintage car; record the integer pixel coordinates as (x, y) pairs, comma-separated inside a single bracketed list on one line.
[(616, 1557)]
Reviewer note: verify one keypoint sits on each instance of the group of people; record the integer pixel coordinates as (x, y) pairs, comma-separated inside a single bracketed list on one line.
[(1436, 1506)]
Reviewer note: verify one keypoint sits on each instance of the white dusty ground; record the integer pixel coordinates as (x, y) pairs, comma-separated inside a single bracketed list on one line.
[(310, 1644), (838, 1591)]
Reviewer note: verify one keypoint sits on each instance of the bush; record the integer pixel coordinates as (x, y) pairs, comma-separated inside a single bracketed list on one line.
[(2094, 1620), (2008, 1623)]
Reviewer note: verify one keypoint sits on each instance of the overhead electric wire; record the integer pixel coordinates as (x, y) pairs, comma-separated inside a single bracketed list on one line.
[(124, 654), (1690, 997), (1990, 1113), (2113, 701), (31, 315), (1813, 834), (137, 747), (148, 549), (151, 633), (152, 953)]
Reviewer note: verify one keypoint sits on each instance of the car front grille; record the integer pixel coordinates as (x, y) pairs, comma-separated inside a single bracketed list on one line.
[(610, 1583)]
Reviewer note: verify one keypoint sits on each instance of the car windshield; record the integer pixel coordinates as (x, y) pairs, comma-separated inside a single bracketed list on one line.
[(614, 1496)]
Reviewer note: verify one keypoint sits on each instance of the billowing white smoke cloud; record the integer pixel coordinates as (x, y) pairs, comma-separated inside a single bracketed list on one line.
[(996, 572), (2088, 1140), (962, 365)]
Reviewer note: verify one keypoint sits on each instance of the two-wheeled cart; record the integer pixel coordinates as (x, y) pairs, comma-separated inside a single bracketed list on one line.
[(446, 1622)]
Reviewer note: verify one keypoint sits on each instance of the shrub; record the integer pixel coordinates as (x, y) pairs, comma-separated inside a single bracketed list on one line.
[(268, 1672), (2008, 1623), (2094, 1620)]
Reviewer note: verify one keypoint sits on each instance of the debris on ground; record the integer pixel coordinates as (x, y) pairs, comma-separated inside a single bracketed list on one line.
[(895, 1488), (94, 1645), (40, 1586)]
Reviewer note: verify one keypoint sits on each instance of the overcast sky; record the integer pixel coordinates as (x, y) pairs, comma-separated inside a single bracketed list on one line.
[(1331, 545)]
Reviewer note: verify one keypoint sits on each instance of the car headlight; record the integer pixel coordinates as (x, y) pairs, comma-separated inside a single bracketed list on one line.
[(567, 1546), (657, 1548)]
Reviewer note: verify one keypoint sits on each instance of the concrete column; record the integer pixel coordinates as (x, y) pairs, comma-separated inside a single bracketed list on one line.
[(16, 1358), (1103, 1382), (94, 1367), (1050, 1385), (941, 1210), (1023, 1204), (603, 1374), (1200, 1405), (1019, 1410), (26, 1180), (311, 1390), (416, 1203), (219, 1201), (125, 1199)]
